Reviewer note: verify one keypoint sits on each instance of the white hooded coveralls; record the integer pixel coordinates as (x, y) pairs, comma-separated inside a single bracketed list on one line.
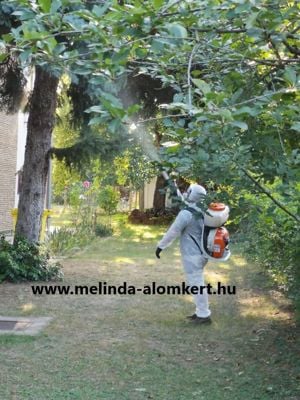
[(189, 227)]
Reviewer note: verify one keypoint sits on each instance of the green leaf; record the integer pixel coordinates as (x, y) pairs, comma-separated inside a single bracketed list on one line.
[(95, 109), (133, 109), (296, 126), (256, 33), (121, 55), (158, 3), (247, 110), (168, 122), (141, 52), (114, 125), (250, 22), (112, 108), (55, 5), (45, 5), (242, 125), (177, 30), (196, 73), (176, 105), (33, 35), (99, 11), (96, 121), (226, 114), (202, 155), (3, 56), (115, 102), (51, 44), (24, 55), (290, 75), (24, 15), (157, 45), (8, 37), (202, 85)]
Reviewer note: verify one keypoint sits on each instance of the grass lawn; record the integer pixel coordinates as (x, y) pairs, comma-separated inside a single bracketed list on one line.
[(141, 347)]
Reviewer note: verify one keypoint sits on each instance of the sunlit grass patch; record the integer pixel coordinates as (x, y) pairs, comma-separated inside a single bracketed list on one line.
[(27, 307), (213, 277), (126, 260)]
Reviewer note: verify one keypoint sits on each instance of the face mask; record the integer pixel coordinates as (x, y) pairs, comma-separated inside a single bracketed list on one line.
[(189, 192)]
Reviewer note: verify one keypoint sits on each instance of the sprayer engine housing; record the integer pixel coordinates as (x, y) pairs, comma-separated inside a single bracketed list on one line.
[(217, 242)]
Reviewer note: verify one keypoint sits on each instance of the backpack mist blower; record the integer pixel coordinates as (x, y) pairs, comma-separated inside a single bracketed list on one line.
[(214, 239)]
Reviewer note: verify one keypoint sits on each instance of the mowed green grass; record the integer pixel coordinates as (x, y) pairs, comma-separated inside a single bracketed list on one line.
[(142, 347)]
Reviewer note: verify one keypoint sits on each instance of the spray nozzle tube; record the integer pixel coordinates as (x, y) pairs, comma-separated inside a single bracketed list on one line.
[(165, 175), (173, 184)]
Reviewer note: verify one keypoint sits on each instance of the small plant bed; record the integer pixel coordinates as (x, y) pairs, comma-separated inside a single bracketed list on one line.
[(152, 217), (73, 229)]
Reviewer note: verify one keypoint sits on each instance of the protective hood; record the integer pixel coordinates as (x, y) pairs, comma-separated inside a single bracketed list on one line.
[(195, 193)]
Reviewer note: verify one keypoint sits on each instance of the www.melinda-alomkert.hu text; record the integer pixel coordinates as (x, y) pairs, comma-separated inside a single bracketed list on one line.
[(103, 288)]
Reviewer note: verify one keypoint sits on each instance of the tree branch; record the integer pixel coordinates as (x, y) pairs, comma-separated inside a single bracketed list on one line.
[(292, 49), (195, 48), (292, 90), (143, 121), (219, 30), (269, 194), (164, 14)]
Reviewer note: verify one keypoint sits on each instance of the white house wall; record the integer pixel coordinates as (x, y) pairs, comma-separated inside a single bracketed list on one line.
[(8, 159), (22, 134), (149, 190)]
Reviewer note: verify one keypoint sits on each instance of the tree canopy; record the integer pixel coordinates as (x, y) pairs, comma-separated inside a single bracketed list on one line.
[(232, 66)]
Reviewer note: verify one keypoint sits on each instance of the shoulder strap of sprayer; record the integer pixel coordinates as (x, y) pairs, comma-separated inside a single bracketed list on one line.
[(197, 214)]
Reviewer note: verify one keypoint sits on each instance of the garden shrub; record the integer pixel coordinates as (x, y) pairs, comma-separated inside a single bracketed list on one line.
[(25, 261), (270, 237), (102, 230), (108, 199), (65, 240)]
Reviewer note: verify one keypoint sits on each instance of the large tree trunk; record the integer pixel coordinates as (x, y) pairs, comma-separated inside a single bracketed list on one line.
[(159, 195), (159, 200), (36, 164), (142, 199)]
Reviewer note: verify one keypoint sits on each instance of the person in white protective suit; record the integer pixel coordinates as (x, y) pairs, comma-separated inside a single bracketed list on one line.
[(189, 226)]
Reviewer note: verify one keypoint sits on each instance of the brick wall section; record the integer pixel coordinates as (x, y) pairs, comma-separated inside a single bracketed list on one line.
[(8, 158)]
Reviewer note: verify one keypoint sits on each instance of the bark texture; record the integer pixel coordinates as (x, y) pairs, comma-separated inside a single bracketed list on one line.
[(159, 200), (36, 165), (159, 197), (142, 199)]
